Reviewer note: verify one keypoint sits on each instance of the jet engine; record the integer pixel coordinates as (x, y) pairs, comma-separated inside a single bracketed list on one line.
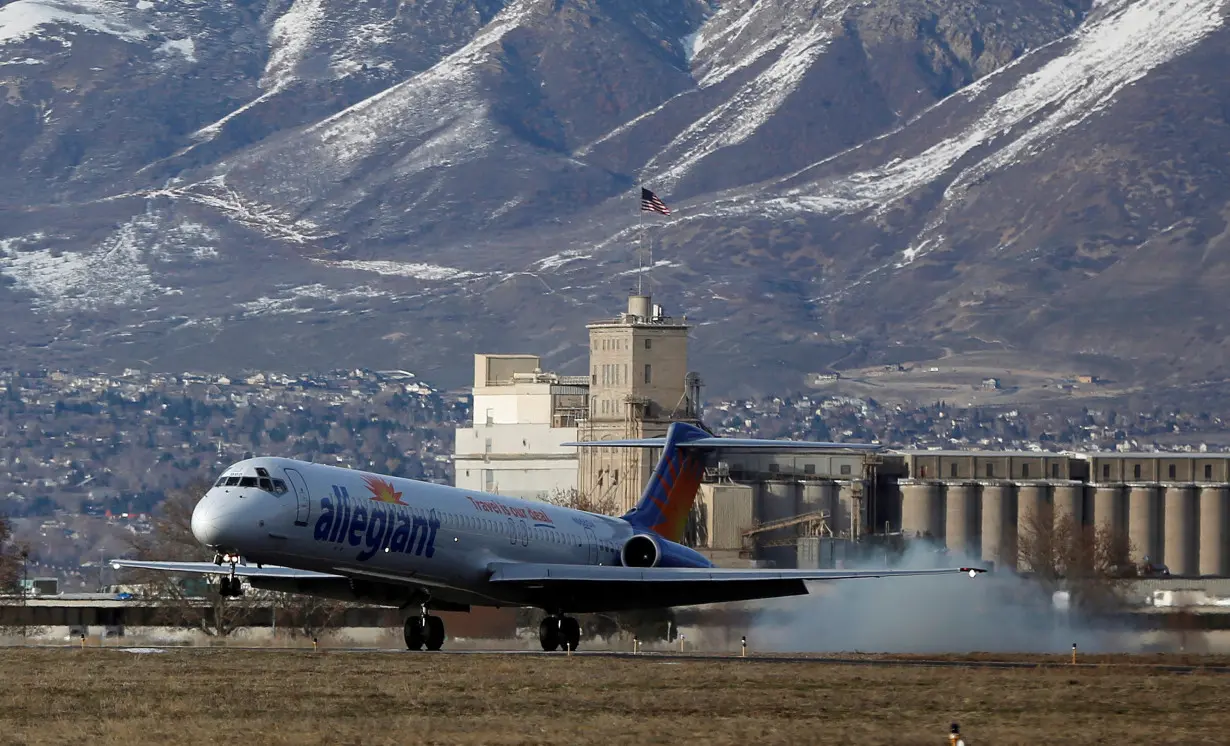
[(647, 550), (641, 550)]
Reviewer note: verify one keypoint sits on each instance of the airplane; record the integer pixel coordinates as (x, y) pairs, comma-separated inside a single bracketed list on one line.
[(300, 527)]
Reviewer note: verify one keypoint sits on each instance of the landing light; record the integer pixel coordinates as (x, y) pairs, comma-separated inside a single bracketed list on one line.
[(973, 573)]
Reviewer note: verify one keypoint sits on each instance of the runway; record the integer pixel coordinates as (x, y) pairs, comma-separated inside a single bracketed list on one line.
[(680, 658)]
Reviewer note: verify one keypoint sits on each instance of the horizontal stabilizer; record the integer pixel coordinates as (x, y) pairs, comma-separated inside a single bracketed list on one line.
[(209, 568)]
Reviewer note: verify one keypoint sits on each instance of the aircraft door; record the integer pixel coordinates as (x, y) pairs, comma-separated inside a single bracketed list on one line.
[(524, 533), (592, 541), (303, 505), (512, 531)]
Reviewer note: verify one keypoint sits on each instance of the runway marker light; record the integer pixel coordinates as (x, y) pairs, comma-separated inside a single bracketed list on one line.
[(315, 644), (636, 645), (954, 736), (744, 645), (681, 643), (1074, 654), (82, 639)]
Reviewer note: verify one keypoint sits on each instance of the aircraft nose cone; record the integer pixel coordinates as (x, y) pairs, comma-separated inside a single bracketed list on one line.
[(212, 522)]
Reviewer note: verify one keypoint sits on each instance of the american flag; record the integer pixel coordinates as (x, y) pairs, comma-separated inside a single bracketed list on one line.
[(650, 202)]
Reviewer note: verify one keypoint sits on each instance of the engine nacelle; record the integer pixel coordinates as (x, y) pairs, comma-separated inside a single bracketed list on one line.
[(646, 550), (641, 550)]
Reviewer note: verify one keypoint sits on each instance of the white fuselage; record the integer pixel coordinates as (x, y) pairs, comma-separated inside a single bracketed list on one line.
[(330, 519)]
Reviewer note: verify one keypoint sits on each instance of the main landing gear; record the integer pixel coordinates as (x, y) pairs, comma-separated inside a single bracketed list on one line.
[(562, 632), (424, 630)]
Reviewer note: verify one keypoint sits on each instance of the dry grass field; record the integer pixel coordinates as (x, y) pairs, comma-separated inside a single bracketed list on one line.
[(254, 697)]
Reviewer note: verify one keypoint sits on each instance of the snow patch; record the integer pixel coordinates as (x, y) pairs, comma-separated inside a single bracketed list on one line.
[(1128, 40), (269, 220), (738, 118), (113, 274), (438, 101), (555, 261), (288, 303), (186, 48), (419, 271), (290, 39), (23, 61), (26, 18), (655, 265)]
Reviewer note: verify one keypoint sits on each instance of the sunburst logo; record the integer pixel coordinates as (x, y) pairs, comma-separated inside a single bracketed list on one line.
[(382, 491)]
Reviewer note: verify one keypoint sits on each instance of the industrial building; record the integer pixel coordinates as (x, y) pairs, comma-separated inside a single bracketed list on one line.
[(1172, 508), (521, 416), (822, 508), (638, 384)]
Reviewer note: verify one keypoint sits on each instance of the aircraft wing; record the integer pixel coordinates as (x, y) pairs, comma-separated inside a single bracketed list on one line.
[(582, 588), (730, 443), (209, 568)]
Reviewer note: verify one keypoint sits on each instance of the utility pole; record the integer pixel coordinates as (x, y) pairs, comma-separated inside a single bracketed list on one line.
[(25, 585)]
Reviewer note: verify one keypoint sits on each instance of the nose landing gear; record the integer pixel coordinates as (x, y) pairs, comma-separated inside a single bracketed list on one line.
[(229, 586)]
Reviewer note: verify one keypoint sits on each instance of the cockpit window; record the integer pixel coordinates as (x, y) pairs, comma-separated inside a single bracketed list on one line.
[(266, 483)]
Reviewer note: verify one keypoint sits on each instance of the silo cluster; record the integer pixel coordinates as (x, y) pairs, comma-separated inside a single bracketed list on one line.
[(1183, 526)]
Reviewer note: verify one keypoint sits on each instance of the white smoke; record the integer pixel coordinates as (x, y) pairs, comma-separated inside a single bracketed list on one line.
[(994, 612)]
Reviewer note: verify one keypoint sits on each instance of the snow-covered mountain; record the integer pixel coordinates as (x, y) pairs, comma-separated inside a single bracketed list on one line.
[(313, 183)]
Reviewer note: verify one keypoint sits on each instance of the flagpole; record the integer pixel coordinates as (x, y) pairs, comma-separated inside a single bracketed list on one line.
[(640, 250)]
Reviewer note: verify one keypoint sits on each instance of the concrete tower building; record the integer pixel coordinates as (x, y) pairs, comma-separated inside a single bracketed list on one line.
[(638, 385)]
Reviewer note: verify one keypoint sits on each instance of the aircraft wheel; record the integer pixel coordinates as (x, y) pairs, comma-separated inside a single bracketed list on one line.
[(548, 633), (569, 632), (433, 634), (413, 632)]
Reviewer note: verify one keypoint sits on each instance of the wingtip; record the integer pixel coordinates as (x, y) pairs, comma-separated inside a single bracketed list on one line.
[(973, 571)]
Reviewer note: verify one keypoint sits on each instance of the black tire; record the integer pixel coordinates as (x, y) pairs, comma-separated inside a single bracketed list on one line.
[(548, 633), (412, 631), (433, 634), (570, 632)]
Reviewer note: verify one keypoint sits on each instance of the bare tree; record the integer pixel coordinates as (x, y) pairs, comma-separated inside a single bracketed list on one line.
[(1092, 563), (574, 498), (307, 616), (10, 558), (13, 557)]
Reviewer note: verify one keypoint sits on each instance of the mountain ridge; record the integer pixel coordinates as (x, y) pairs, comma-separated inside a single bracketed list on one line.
[(392, 184)]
